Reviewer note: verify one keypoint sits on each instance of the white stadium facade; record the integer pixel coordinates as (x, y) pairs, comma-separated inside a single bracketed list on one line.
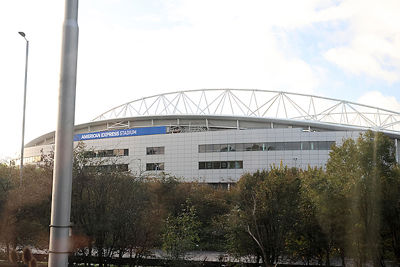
[(216, 135)]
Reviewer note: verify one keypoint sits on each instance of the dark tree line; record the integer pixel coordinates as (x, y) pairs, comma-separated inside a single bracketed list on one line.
[(349, 211)]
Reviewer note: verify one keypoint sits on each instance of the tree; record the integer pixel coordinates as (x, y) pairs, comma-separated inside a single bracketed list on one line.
[(266, 214), (25, 208), (363, 172), (309, 241), (180, 233)]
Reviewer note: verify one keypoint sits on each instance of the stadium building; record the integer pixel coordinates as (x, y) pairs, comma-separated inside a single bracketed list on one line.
[(216, 135)]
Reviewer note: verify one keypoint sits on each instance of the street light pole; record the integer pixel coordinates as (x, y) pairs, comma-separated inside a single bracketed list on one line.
[(23, 113), (59, 245)]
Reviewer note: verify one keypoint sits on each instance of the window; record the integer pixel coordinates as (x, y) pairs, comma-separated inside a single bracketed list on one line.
[(293, 146), (238, 164), (121, 152), (305, 145), (267, 146), (202, 165), (106, 153), (248, 147), (33, 159), (231, 147), (216, 148), (155, 166), (224, 148), (217, 165), (108, 168), (158, 150), (209, 148), (280, 146), (224, 165), (202, 148), (220, 165), (239, 147), (231, 164), (270, 146), (257, 147), (209, 165)]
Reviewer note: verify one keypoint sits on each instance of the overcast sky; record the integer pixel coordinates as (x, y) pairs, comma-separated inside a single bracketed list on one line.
[(129, 49)]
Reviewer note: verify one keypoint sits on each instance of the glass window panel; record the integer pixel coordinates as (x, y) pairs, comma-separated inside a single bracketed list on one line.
[(209, 148), (231, 147), (293, 146), (89, 154), (216, 165), (231, 164), (122, 167), (280, 146), (238, 164), (155, 166), (330, 144), (149, 166), (239, 147), (216, 148), (160, 166), (155, 150), (224, 164), (317, 145), (202, 165), (305, 145), (224, 148), (256, 147), (126, 152), (270, 146), (323, 145), (248, 147), (209, 165), (202, 148)]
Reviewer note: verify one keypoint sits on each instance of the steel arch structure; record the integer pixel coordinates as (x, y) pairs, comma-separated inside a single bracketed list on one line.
[(259, 104)]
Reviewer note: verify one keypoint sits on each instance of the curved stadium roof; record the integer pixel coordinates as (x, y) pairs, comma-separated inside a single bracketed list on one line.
[(265, 104)]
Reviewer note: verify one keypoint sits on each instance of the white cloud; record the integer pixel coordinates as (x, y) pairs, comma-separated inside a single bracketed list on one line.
[(203, 44), (216, 44), (373, 38), (377, 99)]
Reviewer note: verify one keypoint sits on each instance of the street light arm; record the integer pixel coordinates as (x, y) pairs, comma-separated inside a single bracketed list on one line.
[(23, 35)]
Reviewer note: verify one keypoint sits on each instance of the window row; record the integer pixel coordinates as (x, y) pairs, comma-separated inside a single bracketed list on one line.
[(220, 165), (108, 168), (267, 146), (33, 159), (107, 153), (157, 150), (155, 166)]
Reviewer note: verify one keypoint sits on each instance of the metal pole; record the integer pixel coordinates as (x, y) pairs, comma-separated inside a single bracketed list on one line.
[(59, 247), (23, 112)]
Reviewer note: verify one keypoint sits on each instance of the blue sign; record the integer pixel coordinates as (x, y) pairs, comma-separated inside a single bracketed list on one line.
[(121, 133)]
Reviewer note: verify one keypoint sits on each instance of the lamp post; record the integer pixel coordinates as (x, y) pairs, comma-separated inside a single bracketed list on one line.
[(23, 113), (59, 245)]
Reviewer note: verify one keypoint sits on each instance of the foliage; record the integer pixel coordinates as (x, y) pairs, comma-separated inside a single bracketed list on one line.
[(363, 184), (265, 214), (24, 208), (350, 210), (181, 233)]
